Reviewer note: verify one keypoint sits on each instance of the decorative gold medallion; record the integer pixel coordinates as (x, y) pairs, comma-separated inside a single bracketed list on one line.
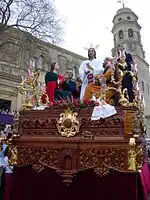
[(68, 125)]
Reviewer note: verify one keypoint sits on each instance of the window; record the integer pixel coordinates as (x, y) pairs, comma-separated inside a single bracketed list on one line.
[(128, 18), (39, 62), (130, 32), (142, 85), (5, 104), (120, 34), (119, 19), (148, 88)]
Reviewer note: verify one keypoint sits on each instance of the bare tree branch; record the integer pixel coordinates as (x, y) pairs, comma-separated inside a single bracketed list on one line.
[(38, 17)]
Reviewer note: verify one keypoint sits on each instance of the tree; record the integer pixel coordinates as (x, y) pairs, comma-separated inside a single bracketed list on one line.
[(34, 17)]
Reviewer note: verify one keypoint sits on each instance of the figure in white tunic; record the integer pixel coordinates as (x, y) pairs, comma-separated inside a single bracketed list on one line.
[(88, 69)]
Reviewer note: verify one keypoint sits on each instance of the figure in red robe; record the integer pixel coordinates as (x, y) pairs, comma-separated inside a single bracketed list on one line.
[(53, 82)]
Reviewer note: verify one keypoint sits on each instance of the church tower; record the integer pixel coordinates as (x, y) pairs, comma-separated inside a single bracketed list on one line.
[(126, 32)]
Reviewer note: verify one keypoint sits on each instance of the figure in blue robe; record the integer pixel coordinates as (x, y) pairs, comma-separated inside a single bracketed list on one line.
[(127, 81), (69, 84)]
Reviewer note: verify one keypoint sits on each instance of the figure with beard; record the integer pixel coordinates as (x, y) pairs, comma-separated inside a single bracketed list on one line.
[(88, 69)]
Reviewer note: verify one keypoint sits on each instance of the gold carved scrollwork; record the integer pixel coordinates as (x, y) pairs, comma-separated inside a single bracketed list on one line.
[(102, 160), (102, 170), (13, 154), (134, 156), (38, 157), (68, 125), (38, 167)]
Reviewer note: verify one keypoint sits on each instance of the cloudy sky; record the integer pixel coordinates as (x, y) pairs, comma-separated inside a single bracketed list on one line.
[(90, 21)]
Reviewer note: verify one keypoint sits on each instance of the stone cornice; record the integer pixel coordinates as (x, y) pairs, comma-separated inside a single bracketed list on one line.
[(125, 12), (10, 77), (8, 93), (123, 23)]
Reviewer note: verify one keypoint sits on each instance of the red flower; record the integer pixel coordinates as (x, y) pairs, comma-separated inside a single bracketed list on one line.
[(55, 103), (86, 102), (50, 104), (43, 98), (91, 102), (61, 101), (78, 101), (78, 104)]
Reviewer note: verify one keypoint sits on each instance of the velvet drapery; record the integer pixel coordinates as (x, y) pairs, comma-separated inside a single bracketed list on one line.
[(47, 185)]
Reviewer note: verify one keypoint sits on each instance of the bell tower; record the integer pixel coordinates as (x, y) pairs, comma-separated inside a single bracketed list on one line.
[(126, 32)]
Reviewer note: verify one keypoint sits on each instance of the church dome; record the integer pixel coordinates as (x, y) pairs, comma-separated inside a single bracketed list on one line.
[(122, 13), (124, 10)]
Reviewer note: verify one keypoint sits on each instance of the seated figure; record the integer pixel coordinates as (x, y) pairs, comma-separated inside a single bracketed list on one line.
[(69, 84), (96, 88), (52, 81)]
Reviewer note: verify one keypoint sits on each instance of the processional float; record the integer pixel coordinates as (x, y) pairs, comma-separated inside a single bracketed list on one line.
[(63, 137)]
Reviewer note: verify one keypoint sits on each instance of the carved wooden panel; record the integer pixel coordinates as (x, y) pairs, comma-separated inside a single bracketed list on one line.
[(128, 117)]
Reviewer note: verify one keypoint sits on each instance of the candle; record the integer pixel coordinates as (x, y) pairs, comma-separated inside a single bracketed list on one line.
[(136, 86), (72, 99), (103, 82), (23, 78), (111, 63), (40, 86), (26, 95), (30, 72), (134, 65)]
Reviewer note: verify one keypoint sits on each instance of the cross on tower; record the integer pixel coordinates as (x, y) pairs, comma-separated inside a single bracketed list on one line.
[(92, 46), (122, 2)]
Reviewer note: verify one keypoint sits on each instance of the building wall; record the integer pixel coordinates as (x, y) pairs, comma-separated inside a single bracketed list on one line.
[(14, 62)]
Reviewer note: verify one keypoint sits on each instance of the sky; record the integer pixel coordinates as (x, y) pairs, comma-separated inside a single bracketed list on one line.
[(90, 21)]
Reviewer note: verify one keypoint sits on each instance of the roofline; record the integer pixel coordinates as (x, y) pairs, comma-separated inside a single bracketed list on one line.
[(41, 42), (125, 12)]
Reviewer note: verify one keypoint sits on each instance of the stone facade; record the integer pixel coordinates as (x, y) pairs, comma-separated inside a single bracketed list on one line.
[(126, 32), (14, 62)]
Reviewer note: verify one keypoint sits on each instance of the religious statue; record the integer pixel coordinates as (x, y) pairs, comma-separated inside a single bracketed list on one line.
[(88, 69)]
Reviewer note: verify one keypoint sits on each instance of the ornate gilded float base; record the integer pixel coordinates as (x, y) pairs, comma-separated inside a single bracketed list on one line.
[(67, 162)]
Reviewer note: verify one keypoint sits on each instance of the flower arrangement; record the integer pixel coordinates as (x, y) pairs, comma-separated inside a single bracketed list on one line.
[(74, 104)]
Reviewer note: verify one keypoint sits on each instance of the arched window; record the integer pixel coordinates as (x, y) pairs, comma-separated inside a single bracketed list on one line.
[(130, 32), (120, 34), (40, 62), (148, 88), (142, 86), (128, 18), (119, 19)]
